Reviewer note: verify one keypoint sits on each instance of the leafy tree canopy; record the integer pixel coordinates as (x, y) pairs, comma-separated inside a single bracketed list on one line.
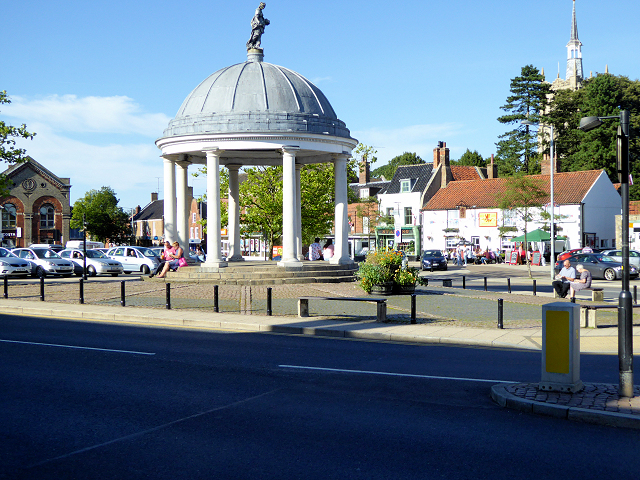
[(602, 95), (387, 171), (105, 219), (472, 159), (517, 149), (8, 151)]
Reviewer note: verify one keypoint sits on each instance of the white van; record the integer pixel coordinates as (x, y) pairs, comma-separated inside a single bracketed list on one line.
[(78, 244)]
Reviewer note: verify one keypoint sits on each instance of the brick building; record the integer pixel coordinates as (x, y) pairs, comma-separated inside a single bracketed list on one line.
[(37, 209)]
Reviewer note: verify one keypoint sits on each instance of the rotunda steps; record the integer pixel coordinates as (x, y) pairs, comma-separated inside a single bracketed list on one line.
[(266, 274)]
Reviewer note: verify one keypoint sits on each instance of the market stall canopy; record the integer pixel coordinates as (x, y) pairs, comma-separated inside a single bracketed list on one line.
[(538, 235)]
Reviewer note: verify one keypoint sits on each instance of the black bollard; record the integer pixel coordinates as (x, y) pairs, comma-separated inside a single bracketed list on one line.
[(168, 295), (42, 289), (268, 301), (500, 314), (413, 309), (485, 284), (635, 292), (509, 285), (122, 296), (215, 298), (6, 287), (464, 282), (535, 290), (81, 291)]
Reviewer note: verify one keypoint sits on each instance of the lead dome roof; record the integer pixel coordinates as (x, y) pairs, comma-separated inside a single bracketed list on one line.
[(255, 96)]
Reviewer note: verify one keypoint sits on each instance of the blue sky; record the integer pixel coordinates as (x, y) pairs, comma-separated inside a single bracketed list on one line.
[(99, 81)]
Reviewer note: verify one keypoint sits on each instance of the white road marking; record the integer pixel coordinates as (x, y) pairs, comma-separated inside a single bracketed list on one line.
[(389, 374), (77, 347)]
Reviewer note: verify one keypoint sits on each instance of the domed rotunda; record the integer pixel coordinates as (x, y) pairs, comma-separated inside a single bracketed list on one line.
[(250, 114)]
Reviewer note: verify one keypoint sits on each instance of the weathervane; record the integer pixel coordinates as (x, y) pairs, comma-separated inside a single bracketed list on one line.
[(258, 22)]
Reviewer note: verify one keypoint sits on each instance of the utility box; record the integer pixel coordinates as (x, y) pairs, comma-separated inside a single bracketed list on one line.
[(561, 348)]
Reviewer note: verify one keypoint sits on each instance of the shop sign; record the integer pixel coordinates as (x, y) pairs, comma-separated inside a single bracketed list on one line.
[(488, 219)]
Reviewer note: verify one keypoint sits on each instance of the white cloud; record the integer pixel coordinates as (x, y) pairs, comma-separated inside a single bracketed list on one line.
[(69, 113), (421, 139), (95, 141)]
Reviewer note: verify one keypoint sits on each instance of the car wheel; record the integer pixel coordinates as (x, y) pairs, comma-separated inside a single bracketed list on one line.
[(128, 273), (114, 274), (146, 270), (91, 271), (445, 268), (609, 274), (40, 273)]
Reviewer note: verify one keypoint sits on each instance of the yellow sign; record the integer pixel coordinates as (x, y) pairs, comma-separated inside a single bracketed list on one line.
[(557, 342), (488, 219)]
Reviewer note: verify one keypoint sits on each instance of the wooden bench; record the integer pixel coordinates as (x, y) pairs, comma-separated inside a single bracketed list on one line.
[(303, 305)]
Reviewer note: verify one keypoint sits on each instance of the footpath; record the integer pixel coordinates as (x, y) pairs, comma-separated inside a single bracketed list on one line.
[(596, 403)]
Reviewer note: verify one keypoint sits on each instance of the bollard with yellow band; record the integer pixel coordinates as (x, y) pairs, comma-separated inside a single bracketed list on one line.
[(561, 348)]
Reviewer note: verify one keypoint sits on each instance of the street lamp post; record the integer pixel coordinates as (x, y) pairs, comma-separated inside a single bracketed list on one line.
[(625, 305), (552, 259)]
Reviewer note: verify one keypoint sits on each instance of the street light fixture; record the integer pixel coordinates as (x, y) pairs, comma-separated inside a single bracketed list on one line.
[(625, 306), (552, 259)]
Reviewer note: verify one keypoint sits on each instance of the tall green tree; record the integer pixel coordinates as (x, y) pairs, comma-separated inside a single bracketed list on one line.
[(9, 152), (388, 171), (105, 219), (261, 202), (602, 95), (471, 159), (517, 149), (523, 197)]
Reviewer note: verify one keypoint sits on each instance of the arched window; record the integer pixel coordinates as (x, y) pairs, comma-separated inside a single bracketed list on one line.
[(47, 216), (8, 216)]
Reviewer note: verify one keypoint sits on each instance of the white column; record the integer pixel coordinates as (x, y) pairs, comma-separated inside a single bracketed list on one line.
[(289, 253), (235, 252), (170, 232), (298, 214), (341, 223), (182, 207), (214, 240)]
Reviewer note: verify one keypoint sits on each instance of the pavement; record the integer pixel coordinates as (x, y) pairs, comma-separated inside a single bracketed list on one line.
[(596, 403)]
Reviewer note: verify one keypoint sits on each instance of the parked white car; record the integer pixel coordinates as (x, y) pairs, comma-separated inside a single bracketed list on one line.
[(634, 256), (135, 259), (10, 264), (45, 261), (97, 262)]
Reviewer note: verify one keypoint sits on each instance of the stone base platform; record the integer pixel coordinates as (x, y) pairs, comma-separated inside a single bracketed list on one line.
[(264, 273)]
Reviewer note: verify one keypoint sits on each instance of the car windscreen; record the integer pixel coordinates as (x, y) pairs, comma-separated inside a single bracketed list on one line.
[(147, 252), (606, 258), (45, 253), (433, 253), (95, 254), (6, 253)]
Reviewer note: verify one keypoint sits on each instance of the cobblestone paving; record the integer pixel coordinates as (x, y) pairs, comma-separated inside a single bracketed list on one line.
[(444, 306), (594, 396)]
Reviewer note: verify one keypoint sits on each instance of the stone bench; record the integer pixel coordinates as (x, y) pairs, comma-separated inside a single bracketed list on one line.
[(303, 305), (597, 295)]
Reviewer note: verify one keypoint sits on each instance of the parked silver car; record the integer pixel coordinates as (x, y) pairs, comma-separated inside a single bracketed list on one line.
[(97, 262), (135, 259), (634, 256), (45, 261), (10, 264)]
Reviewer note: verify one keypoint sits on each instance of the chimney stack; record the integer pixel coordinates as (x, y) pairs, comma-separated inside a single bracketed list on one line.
[(364, 175), (440, 155), (545, 167), (154, 196), (492, 169)]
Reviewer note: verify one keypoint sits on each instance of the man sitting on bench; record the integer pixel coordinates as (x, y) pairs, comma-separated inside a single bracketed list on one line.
[(562, 283)]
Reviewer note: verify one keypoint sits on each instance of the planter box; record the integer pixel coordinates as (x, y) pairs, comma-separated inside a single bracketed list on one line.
[(404, 289), (382, 289)]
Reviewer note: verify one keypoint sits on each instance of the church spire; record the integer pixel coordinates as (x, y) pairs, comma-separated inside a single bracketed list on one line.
[(574, 52)]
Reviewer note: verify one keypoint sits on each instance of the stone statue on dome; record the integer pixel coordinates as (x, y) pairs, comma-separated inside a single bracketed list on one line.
[(258, 22)]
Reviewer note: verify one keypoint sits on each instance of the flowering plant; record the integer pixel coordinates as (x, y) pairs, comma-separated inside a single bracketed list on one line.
[(406, 277), (385, 257)]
